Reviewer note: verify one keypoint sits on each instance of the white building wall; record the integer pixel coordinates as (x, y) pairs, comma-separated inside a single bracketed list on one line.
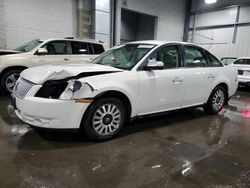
[(170, 14), (102, 20), (229, 50), (2, 30), (28, 19)]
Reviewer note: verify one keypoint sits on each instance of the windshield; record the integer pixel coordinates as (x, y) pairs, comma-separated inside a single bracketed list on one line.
[(28, 46), (123, 57), (227, 61)]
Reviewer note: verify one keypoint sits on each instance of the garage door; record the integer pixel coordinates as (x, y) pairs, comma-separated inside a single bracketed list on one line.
[(29, 19)]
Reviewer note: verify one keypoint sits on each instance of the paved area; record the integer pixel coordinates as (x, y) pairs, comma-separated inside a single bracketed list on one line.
[(180, 149)]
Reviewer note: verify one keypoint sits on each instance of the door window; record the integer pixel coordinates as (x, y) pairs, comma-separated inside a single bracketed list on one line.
[(194, 57), (98, 49), (57, 47), (168, 55), (79, 48)]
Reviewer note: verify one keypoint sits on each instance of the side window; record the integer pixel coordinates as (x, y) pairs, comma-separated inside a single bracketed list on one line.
[(57, 47), (247, 62), (239, 62), (79, 48), (242, 62), (194, 57), (168, 55), (98, 48), (214, 62)]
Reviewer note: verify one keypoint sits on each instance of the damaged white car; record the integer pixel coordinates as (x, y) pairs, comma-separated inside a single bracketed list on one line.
[(128, 81)]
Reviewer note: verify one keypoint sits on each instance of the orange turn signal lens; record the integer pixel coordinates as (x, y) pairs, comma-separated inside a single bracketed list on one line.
[(83, 101)]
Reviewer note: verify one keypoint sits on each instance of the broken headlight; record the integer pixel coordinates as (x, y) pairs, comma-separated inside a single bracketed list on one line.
[(52, 89), (71, 89)]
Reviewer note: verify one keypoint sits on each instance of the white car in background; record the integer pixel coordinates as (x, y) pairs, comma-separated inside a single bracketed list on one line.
[(243, 66), (8, 52), (135, 79), (40, 52)]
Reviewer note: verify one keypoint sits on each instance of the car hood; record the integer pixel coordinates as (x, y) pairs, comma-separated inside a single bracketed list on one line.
[(11, 51), (13, 57), (40, 74)]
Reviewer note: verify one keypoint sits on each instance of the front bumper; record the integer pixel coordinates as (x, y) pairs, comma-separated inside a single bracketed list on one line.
[(49, 113)]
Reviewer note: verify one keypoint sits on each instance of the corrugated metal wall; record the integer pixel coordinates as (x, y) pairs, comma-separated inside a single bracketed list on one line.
[(223, 30), (2, 32), (229, 50), (28, 19)]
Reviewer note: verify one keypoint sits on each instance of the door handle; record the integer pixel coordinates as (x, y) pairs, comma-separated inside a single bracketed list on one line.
[(66, 59), (177, 80), (211, 76)]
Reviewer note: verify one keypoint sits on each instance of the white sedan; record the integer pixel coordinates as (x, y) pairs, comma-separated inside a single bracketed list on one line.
[(128, 81), (243, 66)]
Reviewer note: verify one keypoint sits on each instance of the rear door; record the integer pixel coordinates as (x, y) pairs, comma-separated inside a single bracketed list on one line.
[(196, 76)]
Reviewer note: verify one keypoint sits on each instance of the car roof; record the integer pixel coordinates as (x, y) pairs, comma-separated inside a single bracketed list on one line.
[(244, 58), (159, 42), (72, 39)]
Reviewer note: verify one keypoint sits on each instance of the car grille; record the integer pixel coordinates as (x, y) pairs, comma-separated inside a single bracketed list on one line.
[(240, 72), (22, 87)]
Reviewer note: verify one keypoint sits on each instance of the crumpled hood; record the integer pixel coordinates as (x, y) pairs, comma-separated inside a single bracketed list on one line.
[(40, 74)]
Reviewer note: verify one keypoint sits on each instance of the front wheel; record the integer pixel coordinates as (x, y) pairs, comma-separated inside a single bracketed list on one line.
[(104, 119), (216, 101), (9, 80)]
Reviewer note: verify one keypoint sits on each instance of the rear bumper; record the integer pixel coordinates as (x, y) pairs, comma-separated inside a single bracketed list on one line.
[(49, 113), (243, 79)]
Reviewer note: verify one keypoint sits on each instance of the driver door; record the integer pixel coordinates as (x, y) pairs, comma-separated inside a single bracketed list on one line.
[(161, 90), (58, 52)]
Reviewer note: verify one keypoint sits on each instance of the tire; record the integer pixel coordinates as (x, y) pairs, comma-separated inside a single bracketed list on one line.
[(8, 80), (216, 100), (103, 125)]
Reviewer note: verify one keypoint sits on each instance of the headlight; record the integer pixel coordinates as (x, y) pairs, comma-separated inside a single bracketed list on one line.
[(73, 86), (52, 89)]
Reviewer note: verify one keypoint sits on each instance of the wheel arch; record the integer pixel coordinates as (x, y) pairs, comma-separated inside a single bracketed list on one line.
[(121, 96), (225, 86), (11, 68)]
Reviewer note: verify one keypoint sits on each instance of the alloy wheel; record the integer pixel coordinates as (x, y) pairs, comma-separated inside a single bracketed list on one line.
[(218, 100), (107, 119), (10, 81)]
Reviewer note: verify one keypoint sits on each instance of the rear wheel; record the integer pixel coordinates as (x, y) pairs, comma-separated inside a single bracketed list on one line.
[(9, 80), (104, 119), (216, 101)]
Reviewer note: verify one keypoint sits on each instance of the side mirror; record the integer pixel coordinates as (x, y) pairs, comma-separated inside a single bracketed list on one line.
[(42, 51), (154, 65)]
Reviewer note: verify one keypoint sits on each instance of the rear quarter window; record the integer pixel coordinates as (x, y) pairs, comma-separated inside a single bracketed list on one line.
[(214, 62)]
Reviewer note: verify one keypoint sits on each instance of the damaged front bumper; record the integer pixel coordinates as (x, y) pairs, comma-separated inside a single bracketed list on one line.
[(49, 113)]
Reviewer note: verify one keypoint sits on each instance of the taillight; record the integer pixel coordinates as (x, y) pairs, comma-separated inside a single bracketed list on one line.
[(245, 113)]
